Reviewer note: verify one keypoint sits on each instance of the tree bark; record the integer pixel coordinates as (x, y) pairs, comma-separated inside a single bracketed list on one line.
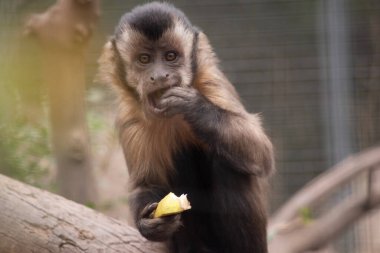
[(33, 220), (63, 32)]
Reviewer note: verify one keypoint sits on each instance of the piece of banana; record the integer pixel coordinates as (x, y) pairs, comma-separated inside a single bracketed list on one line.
[(171, 204)]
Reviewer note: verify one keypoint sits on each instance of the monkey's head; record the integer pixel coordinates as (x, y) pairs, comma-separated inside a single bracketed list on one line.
[(152, 50)]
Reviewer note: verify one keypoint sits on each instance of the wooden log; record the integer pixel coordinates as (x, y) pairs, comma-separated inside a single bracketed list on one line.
[(33, 220)]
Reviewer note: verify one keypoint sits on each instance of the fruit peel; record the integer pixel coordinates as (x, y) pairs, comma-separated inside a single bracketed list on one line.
[(171, 204)]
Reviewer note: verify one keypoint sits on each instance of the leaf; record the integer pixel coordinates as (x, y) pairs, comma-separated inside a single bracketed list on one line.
[(306, 215)]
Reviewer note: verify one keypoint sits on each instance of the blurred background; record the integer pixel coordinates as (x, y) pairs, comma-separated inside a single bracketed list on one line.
[(311, 68)]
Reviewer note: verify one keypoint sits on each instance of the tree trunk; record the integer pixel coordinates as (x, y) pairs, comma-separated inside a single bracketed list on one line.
[(32, 220), (63, 32)]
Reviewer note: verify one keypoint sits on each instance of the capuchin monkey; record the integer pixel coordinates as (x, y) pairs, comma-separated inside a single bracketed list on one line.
[(183, 129)]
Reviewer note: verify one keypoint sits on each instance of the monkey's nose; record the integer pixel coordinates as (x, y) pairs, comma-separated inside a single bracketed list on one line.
[(159, 78)]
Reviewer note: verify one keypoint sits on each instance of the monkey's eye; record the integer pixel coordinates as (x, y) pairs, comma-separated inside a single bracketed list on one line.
[(144, 58), (170, 56)]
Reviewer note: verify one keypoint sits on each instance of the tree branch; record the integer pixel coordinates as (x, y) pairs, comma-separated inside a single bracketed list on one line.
[(289, 234), (326, 228), (323, 185), (34, 220)]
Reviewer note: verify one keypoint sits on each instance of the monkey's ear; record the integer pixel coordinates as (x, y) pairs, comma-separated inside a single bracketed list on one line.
[(108, 65)]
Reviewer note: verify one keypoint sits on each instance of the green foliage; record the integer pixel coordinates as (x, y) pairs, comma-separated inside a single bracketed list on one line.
[(96, 122), (91, 205), (306, 215), (24, 151)]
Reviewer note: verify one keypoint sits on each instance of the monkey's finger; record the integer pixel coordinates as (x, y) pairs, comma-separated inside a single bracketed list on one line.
[(159, 229), (171, 102), (171, 218), (170, 110), (148, 210), (161, 221), (161, 110), (182, 92)]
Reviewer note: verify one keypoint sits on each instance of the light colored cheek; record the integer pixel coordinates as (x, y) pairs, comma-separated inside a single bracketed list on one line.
[(133, 76), (132, 82), (186, 77), (140, 90), (187, 71)]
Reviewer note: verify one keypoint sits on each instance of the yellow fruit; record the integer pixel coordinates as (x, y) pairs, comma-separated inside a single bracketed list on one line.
[(171, 204)]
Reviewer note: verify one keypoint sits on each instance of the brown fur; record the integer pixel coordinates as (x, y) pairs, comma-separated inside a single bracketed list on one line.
[(244, 129), (151, 141)]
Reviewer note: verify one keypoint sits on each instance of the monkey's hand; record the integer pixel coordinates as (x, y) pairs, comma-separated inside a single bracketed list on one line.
[(157, 229), (246, 148), (179, 100)]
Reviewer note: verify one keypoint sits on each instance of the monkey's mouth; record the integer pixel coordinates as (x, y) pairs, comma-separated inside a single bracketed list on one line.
[(155, 96)]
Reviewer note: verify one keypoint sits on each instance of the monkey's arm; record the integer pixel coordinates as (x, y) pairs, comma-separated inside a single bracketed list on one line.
[(237, 137), (143, 201)]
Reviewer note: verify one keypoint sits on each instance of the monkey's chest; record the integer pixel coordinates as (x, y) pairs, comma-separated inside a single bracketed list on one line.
[(193, 176)]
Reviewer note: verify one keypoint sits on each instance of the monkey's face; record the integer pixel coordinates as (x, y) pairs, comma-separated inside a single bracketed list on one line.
[(155, 66)]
